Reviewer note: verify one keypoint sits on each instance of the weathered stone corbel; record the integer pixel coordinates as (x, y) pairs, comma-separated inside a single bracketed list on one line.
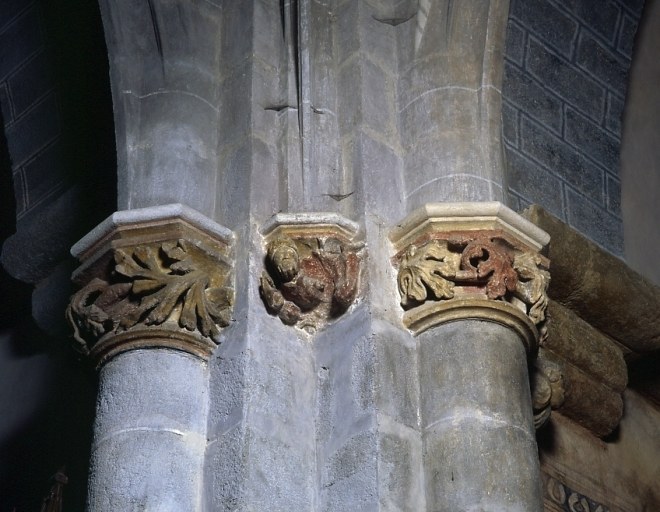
[(602, 314), (154, 277), (312, 268), (548, 388)]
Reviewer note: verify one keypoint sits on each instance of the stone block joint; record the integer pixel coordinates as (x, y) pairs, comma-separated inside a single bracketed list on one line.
[(312, 268), (156, 279)]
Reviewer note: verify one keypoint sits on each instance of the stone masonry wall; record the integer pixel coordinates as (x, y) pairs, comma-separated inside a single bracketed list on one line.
[(566, 74), (29, 107)]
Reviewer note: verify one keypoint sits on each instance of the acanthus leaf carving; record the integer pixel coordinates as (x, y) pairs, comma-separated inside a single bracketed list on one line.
[(173, 282), (310, 279), (460, 264), (427, 272)]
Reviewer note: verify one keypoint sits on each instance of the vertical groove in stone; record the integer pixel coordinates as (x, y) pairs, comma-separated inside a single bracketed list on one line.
[(261, 450)]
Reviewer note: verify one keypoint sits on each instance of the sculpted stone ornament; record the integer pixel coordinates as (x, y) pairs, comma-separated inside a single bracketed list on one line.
[(459, 261), (548, 389), (458, 265), (309, 279), (472, 260), (151, 285), (173, 291)]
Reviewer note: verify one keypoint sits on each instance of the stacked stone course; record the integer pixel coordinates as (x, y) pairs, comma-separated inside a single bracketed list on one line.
[(566, 66)]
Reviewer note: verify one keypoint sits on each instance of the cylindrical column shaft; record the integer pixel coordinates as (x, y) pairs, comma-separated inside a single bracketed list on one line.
[(149, 433), (479, 444)]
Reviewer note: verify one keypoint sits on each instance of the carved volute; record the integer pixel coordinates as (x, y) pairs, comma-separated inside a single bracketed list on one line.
[(161, 282), (312, 268)]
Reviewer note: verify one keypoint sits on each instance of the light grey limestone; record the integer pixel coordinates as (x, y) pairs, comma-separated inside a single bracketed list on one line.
[(342, 107), (164, 64), (149, 433), (449, 100), (479, 446)]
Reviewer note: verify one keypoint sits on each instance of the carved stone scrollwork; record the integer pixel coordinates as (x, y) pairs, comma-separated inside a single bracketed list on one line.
[(486, 264), (174, 291), (464, 261), (151, 285), (312, 274)]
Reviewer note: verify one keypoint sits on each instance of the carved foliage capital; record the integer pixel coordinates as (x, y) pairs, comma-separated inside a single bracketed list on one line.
[(177, 291), (485, 264), (311, 276)]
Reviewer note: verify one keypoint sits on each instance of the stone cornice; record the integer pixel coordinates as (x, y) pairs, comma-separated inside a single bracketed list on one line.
[(312, 267), (601, 288), (604, 318), (152, 278)]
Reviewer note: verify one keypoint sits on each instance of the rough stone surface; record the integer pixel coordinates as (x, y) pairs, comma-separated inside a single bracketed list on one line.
[(620, 474), (165, 89), (150, 432), (585, 347), (600, 288), (475, 402), (587, 401), (450, 68)]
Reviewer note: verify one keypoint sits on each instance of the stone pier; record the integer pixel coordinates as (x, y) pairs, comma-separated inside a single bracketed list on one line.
[(473, 284), (294, 378), (156, 290)]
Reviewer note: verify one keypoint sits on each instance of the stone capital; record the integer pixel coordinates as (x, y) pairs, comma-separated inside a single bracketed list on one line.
[(312, 267), (472, 260), (158, 277)]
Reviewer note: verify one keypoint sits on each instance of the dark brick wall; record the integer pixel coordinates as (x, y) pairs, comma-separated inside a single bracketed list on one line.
[(565, 82), (29, 105), (57, 168), (58, 126)]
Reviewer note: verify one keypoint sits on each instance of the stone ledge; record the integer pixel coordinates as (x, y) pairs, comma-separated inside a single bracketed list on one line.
[(601, 288), (604, 325)]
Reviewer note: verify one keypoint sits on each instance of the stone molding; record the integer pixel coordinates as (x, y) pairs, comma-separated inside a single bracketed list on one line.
[(472, 260), (157, 277), (312, 268), (604, 323)]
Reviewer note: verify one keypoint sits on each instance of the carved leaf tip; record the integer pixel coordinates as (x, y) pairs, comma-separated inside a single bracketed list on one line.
[(154, 284), (424, 273)]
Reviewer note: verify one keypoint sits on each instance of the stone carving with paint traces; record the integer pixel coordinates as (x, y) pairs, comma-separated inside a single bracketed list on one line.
[(568, 500), (310, 279), (173, 282), (467, 265)]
